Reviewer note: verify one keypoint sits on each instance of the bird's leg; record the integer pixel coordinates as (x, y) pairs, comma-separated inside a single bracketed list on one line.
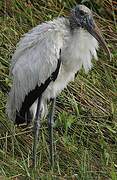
[(50, 128), (36, 132)]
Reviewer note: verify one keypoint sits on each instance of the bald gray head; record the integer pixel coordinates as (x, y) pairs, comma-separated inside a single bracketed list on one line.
[(82, 17)]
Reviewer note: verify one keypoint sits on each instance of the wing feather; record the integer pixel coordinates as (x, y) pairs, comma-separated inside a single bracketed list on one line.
[(34, 60)]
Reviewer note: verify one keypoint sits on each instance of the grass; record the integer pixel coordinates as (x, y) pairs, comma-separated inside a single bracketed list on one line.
[(85, 132)]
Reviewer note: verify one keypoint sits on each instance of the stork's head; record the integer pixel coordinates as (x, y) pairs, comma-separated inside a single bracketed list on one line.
[(82, 17)]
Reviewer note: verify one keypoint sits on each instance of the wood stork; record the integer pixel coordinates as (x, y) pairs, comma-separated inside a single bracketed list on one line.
[(45, 61)]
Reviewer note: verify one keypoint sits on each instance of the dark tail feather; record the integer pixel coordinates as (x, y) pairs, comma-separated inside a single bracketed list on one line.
[(27, 118)]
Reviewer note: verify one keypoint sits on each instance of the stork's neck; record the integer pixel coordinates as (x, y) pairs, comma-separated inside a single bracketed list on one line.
[(79, 49)]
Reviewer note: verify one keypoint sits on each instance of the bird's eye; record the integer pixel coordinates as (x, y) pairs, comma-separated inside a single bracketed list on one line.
[(82, 12)]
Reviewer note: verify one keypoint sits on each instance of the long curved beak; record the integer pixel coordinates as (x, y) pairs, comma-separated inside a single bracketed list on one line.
[(95, 32)]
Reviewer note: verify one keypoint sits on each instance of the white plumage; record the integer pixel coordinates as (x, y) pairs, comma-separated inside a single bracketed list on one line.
[(36, 58)]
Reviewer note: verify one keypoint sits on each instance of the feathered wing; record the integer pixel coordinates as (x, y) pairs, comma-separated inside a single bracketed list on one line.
[(34, 60)]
